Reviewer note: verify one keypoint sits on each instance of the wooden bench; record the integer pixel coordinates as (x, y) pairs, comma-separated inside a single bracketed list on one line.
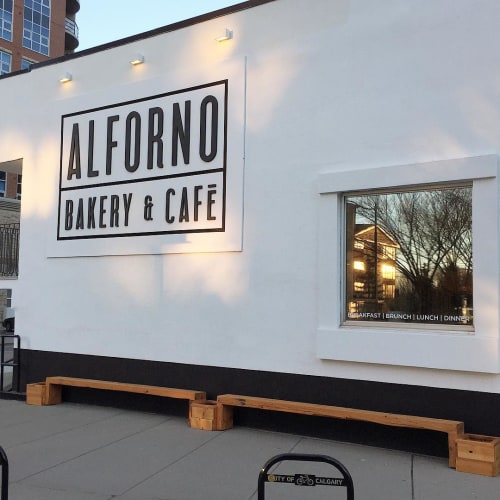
[(50, 391), (453, 428)]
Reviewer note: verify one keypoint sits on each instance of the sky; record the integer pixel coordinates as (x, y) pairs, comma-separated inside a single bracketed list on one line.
[(103, 21)]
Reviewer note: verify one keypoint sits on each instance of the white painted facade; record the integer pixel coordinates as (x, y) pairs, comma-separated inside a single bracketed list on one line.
[(323, 97)]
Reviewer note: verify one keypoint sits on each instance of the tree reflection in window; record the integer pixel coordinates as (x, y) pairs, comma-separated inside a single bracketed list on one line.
[(409, 256)]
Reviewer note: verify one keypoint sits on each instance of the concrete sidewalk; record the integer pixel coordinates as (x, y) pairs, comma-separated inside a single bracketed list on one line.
[(78, 452)]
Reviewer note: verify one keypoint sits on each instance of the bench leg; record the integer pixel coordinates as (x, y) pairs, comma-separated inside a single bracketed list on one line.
[(36, 393), (452, 446), (210, 416), (53, 394), (224, 417)]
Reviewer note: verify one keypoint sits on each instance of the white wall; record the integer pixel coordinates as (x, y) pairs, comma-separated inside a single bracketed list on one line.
[(345, 86)]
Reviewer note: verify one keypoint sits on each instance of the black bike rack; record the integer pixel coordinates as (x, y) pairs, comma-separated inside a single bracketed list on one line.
[(306, 480), (4, 463)]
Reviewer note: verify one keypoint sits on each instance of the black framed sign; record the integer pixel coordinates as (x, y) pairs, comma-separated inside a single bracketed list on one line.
[(151, 167)]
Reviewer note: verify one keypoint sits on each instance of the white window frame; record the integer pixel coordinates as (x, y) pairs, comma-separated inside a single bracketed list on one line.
[(425, 346), (3, 191), (35, 36), (5, 55), (6, 33), (26, 63), (19, 186)]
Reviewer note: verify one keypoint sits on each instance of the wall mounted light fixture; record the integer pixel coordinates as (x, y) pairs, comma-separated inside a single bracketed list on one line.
[(137, 59), (228, 35), (67, 77)]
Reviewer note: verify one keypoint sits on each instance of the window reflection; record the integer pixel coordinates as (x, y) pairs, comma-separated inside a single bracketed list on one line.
[(409, 256)]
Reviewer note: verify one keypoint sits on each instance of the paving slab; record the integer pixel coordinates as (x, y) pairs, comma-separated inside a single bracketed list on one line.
[(228, 463), (81, 452), (39, 422), (369, 468), (45, 454), (116, 467), (20, 491), (432, 480)]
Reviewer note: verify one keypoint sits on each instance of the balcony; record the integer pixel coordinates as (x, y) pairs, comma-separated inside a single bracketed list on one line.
[(72, 6), (9, 250), (71, 37)]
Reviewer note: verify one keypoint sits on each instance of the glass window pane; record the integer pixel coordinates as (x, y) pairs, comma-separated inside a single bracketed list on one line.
[(409, 256), (19, 186), (6, 20), (37, 24), (5, 64)]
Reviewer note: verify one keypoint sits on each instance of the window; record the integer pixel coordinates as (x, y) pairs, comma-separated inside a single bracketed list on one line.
[(6, 19), (416, 257), (388, 272), (36, 25), (2, 183), (358, 265), (19, 186), (26, 63), (467, 343), (5, 62), (389, 291)]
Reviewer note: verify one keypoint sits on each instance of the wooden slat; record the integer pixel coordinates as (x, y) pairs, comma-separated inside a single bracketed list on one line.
[(453, 428), (126, 387), (392, 419)]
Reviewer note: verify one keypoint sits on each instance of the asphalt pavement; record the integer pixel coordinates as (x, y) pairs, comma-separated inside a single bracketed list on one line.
[(80, 452)]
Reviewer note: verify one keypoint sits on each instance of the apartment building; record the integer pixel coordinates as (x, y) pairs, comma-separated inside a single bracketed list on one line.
[(31, 31), (36, 30)]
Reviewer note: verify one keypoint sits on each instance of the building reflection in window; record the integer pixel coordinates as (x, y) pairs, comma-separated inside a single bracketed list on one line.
[(409, 256)]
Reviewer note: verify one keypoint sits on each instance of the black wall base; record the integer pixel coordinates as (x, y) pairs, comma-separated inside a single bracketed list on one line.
[(17, 396), (479, 411)]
